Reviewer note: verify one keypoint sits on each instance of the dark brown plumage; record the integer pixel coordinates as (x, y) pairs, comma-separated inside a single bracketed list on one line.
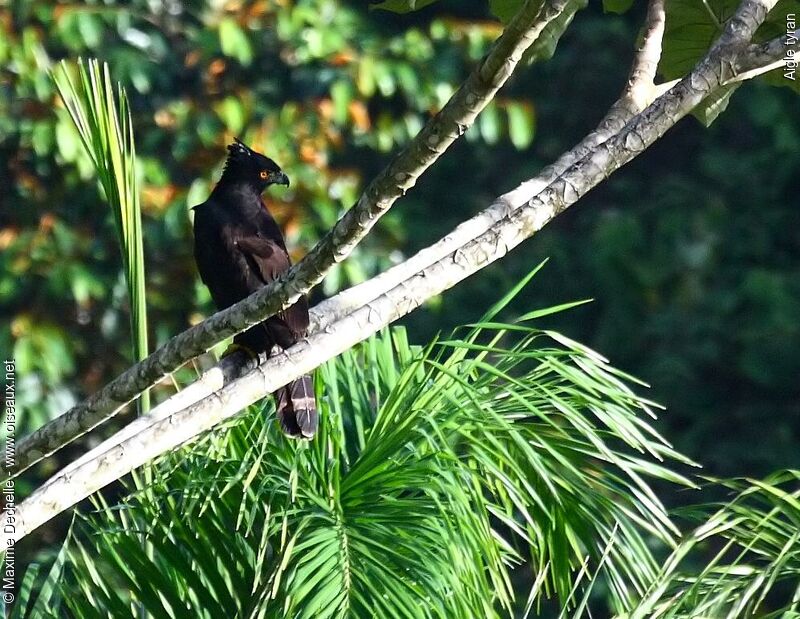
[(239, 248)]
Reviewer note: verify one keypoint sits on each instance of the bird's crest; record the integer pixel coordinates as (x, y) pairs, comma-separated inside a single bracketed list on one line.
[(240, 155), (239, 150)]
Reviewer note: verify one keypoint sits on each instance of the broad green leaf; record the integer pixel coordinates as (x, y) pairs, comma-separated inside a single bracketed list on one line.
[(692, 26), (545, 46), (708, 111), (342, 95), (232, 112), (521, 124), (504, 10), (234, 42), (617, 6), (489, 123), (401, 6)]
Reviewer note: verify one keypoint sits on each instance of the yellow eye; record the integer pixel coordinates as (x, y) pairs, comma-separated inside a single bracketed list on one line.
[(263, 174)]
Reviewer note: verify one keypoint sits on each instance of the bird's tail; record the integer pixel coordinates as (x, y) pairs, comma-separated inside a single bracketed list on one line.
[(297, 408)]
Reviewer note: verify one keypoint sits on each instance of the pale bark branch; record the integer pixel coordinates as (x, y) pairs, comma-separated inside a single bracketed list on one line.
[(67, 488), (399, 176), (641, 82)]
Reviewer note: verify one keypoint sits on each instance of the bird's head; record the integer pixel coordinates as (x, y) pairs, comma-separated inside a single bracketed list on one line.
[(246, 165)]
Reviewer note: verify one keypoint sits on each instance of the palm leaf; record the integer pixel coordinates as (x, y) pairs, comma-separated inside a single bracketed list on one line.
[(436, 475), (101, 115), (750, 556)]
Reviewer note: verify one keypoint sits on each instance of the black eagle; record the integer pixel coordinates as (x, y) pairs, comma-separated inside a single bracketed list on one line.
[(239, 248)]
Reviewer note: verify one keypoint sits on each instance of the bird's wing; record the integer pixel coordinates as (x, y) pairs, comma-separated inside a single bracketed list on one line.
[(267, 261), (222, 268)]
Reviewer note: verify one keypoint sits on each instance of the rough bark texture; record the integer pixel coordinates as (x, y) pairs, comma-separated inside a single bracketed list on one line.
[(157, 436), (401, 174)]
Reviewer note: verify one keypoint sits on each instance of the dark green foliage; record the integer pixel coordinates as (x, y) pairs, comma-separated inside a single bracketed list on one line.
[(505, 9), (402, 6), (617, 6)]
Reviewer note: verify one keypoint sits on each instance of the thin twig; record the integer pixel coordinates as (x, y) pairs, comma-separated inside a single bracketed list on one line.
[(643, 72)]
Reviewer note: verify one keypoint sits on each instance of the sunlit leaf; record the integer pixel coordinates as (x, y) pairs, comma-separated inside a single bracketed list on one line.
[(520, 124), (504, 10), (402, 6), (101, 114), (714, 105), (234, 42)]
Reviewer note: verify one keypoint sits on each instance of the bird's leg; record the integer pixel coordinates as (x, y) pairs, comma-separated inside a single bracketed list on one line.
[(277, 350)]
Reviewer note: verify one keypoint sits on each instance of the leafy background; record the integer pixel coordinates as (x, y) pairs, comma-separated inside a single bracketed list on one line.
[(691, 253)]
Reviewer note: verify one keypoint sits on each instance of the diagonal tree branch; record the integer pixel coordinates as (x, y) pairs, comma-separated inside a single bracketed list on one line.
[(399, 176), (68, 487), (752, 61)]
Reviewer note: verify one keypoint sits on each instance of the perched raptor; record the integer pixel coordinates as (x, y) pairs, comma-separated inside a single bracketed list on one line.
[(239, 248)]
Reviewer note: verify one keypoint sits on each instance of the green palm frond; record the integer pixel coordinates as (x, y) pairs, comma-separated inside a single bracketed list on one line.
[(750, 557), (39, 595), (439, 478), (101, 114)]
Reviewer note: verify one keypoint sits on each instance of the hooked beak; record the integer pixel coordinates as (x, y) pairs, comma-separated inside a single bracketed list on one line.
[(279, 178)]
